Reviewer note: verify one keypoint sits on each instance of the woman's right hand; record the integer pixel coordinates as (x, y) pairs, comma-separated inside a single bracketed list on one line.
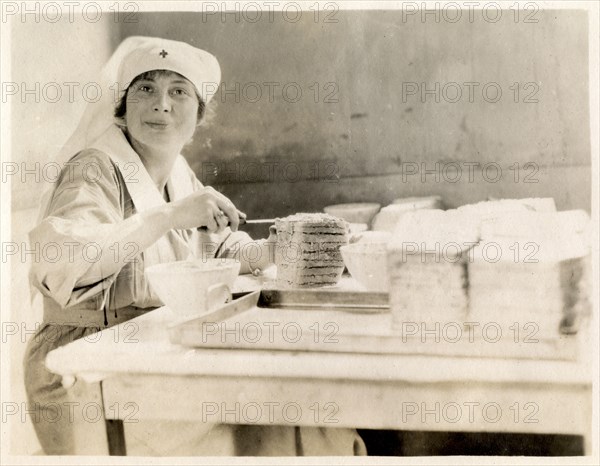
[(204, 208)]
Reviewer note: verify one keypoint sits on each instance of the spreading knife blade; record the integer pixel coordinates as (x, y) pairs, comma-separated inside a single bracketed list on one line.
[(243, 220), (256, 221)]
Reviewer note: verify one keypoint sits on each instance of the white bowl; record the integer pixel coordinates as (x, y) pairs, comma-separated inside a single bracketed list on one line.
[(355, 228), (371, 237), (193, 287), (390, 215), (427, 202), (367, 263), (360, 212)]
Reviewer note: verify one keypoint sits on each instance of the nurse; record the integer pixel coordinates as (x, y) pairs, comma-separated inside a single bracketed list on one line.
[(126, 200)]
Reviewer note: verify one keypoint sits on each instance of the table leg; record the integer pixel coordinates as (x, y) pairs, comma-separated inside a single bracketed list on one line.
[(116, 437), (586, 407), (89, 422), (93, 433)]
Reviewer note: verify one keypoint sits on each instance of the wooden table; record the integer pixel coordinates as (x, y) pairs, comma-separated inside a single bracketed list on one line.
[(135, 362)]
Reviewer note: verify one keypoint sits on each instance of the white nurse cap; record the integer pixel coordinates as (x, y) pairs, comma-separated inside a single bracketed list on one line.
[(134, 56), (151, 53)]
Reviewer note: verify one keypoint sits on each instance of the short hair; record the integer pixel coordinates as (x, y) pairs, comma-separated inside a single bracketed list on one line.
[(121, 107)]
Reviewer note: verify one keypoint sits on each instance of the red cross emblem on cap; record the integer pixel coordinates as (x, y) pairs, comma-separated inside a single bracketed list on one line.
[(163, 53)]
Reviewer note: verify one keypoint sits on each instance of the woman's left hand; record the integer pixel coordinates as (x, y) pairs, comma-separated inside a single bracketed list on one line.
[(271, 243)]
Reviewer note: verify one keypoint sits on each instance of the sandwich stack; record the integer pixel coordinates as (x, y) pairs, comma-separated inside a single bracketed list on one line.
[(488, 212), (529, 273), (427, 264), (308, 250)]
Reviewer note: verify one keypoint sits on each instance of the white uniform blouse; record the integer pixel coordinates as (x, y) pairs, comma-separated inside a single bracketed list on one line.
[(81, 234)]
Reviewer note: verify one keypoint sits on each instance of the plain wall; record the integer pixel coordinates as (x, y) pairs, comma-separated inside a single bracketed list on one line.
[(357, 146)]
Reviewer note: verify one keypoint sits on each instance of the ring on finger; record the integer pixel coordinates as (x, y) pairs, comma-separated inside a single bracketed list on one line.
[(221, 218)]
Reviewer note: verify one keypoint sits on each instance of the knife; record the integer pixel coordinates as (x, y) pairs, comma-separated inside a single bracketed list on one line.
[(257, 221), (243, 220)]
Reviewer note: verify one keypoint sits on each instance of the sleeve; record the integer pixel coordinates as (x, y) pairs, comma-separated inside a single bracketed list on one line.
[(74, 238), (226, 244)]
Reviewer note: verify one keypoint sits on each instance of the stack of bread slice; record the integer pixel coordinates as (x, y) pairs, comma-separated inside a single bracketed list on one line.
[(530, 272), (427, 265), (308, 250)]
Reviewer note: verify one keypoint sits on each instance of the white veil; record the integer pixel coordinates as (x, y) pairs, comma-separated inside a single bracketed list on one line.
[(135, 55)]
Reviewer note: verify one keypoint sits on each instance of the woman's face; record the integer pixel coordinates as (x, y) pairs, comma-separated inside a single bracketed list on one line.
[(162, 111)]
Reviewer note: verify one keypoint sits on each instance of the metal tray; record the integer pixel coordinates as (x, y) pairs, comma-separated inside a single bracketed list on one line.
[(340, 321)]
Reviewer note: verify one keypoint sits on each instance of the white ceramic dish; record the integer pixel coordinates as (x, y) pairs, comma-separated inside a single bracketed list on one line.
[(371, 237), (354, 228), (193, 287), (367, 263)]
